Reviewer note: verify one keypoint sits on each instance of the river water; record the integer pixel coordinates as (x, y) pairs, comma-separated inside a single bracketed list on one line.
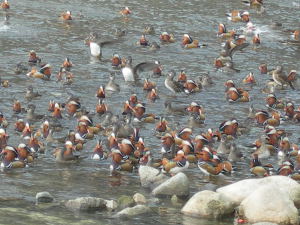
[(35, 25)]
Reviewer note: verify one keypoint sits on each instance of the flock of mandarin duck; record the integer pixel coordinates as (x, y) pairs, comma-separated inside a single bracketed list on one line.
[(119, 141)]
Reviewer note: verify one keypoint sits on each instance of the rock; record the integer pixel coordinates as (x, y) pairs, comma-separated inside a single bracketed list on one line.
[(111, 205), (176, 185), (208, 204), (238, 191), (125, 201), (133, 211), (176, 201), (44, 197), (86, 204), (269, 204), (151, 177), (139, 198)]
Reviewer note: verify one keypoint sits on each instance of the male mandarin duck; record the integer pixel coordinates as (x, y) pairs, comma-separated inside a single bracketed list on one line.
[(125, 11), (249, 79), (237, 16), (162, 125), (143, 41), (100, 92), (66, 154), (149, 85), (153, 95), (5, 5), (116, 60), (165, 37), (98, 153), (3, 138), (10, 159), (179, 164), (66, 15), (24, 153), (43, 73), (3, 121), (101, 107), (67, 64), (223, 33)]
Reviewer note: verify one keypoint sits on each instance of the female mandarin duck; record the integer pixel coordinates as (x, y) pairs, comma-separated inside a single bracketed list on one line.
[(223, 33), (33, 58)]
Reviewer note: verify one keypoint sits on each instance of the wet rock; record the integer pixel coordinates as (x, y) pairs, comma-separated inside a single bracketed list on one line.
[(139, 198), (44, 197), (238, 191), (269, 204), (133, 211), (86, 204), (176, 185), (111, 205), (151, 177), (125, 201), (208, 204)]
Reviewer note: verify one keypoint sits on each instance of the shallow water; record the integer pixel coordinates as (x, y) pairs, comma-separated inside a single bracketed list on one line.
[(36, 26)]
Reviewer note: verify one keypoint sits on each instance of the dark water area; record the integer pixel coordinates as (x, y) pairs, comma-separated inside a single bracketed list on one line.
[(35, 25)]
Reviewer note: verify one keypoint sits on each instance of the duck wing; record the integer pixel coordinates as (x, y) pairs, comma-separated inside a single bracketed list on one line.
[(144, 66), (231, 51)]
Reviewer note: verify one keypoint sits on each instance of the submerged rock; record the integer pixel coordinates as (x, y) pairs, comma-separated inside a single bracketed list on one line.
[(176, 185), (269, 204), (151, 177), (240, 190), (125, 201), (111, 205), (208, 204), (86, 204), (44, 197), (139, 198), (133, 211), (264, 223)]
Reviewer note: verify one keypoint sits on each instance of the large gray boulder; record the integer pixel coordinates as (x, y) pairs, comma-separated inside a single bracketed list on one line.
[(86, 204), (269, 204), (176, 185), (208, 204), (133, 211), (151, 177), (238, 191)]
